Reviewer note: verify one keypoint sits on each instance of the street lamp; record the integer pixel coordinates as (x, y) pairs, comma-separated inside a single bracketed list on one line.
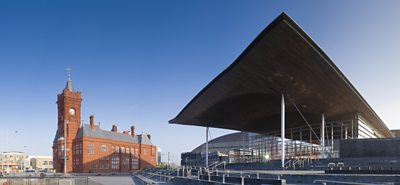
[(64, 150), (65, 147), (168, 162)]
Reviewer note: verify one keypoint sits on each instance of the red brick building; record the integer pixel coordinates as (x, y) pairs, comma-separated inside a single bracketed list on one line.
[(92, 149)]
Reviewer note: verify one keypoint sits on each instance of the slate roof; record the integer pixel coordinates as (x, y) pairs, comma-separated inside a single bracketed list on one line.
[(56, 137), (97, 132)]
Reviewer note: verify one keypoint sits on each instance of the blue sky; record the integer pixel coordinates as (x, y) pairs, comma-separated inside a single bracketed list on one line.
[(141, 62)]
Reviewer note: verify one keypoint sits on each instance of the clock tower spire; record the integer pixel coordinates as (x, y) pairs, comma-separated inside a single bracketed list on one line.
[(69, 81), (69, 122)]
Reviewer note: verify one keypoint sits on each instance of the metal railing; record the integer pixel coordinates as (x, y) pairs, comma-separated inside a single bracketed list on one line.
[(210, 175)]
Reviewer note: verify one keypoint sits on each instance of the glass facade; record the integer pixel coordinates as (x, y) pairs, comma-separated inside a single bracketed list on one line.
[(305, 142), (301, 142)]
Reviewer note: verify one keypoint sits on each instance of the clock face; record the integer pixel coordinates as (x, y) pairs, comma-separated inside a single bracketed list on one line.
[(72, 111)]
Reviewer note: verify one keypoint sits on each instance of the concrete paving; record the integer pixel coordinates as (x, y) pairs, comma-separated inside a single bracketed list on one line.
[(111, 180)]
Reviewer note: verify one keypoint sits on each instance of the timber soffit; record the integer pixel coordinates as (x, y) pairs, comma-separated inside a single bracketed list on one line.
[(287, 20)]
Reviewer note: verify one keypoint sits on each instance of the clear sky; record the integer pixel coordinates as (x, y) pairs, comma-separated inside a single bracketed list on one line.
[(141, 62)]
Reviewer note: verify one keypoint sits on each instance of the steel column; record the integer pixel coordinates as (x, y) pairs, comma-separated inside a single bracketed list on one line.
[(323, 136), (283, 131), (206, 146)]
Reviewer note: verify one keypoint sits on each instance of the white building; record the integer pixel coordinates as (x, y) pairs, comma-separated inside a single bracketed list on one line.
[(13, 161), (42, 163)]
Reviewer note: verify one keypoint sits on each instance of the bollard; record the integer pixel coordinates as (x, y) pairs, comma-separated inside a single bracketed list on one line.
[(242, 180), (217, 172), (258, 176), (227, 173), (223, 179), (241, 174), (209, 177)]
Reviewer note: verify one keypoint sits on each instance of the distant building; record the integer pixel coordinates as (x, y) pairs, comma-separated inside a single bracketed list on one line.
[(42, 163), (92, 149), (13, 161), (159, 156)]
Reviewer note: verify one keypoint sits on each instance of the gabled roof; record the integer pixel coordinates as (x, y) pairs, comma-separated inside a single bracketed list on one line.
[(97, 132), (144, 139), (282, 59), (56, 137)]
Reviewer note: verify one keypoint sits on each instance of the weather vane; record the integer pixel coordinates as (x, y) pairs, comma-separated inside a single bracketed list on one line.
[(69, 72)]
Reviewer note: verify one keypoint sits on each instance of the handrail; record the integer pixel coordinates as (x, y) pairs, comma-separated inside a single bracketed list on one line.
[(219, 164), (288, 162), (212, 164), (145, 180), (343, 182)]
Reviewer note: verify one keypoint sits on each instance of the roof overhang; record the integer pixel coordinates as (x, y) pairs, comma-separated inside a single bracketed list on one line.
[(283, 59)]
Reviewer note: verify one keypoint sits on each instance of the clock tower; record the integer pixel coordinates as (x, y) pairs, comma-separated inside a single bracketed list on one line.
[(69, 122)]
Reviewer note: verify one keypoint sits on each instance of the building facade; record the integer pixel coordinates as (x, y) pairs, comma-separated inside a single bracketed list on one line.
[(290, 97), (42, 163), (13, 161), (90, 149)]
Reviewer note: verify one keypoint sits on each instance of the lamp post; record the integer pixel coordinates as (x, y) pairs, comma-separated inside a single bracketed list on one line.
[(63, 143), (168, 162), (162, 157), (65, 148)]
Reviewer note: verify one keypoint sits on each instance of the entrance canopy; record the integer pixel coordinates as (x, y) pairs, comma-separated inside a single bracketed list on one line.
[(281, 60)]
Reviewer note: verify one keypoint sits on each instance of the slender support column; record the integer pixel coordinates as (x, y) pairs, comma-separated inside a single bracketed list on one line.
[(206, 146), (283, 131), (292, 144), (310, 146), (274, 146), (332, 138), (301, 142), (341, 130), (323, 136), (352, 129), (243, 158)]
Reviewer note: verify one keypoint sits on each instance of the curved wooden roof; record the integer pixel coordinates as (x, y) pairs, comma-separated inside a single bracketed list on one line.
[(282, 59)]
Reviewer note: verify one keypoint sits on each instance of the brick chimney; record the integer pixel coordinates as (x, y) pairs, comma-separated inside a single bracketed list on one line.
[(92, 126), (126, 132), (149, 136), (133, 131), (114, 128)]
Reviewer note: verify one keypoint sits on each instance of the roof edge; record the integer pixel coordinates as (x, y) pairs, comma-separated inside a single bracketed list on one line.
[(283, 16)]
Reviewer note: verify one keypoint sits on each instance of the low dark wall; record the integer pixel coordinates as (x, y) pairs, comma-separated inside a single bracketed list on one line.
[(370, 148)]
